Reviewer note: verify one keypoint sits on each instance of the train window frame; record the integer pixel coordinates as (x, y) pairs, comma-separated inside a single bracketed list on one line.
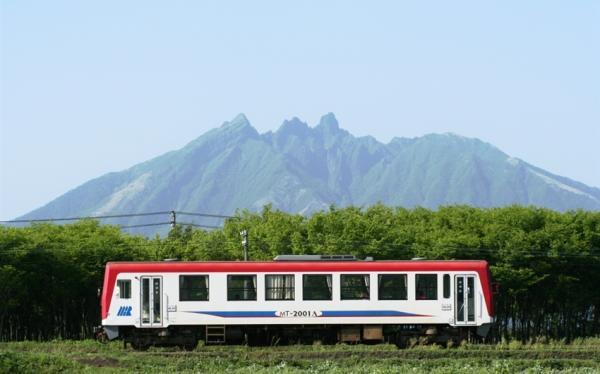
[(424, 296), (447, 289), (285, 288), (189, 289), (361, 295), (230, 277), (124, 286), (329, 282), (380, 291)]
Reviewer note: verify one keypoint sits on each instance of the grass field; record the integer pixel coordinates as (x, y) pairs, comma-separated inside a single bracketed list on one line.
[(581, 356)]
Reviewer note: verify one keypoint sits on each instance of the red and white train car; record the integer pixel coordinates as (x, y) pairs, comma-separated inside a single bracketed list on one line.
[(295, 298)]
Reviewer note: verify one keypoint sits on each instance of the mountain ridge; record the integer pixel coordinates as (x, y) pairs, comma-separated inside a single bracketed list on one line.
[(303, 169)]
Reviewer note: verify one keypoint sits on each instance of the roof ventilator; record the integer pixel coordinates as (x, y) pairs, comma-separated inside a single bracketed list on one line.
[(315, 258)]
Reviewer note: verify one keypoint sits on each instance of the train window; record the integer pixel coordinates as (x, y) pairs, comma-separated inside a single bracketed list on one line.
[(354, 286), (316, 286), (124, 286), (193, 288), (241, 287), (446, 286), (426, 287), (279, 287), (392, 287)]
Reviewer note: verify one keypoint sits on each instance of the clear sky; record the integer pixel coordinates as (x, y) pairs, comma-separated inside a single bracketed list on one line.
[(89, 87)]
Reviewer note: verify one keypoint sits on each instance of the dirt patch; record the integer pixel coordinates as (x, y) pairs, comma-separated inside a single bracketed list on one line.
[(99, 361)]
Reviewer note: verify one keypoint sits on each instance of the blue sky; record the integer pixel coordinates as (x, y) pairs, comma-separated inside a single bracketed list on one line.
[(89, 87)]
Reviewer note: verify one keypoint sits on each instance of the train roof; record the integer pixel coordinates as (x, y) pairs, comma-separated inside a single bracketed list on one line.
[(296, 266)]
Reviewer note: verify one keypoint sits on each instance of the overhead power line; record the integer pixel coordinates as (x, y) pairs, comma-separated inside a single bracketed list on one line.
[(197, 225), (124, 215), (85, 217), (145, 225), (203, 215), (170, 213)]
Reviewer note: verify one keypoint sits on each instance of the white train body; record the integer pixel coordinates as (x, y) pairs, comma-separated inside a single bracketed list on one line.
[(160, 295)]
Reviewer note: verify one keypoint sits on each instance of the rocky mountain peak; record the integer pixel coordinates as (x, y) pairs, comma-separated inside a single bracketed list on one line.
[(239, 125), (304, 169), (329, 122), (239, 121), (293, 127)]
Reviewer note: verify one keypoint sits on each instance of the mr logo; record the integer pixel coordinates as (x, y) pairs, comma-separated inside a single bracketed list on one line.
[(124, 311)]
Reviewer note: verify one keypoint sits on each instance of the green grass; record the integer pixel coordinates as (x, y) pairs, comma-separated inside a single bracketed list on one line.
[(581, 356)]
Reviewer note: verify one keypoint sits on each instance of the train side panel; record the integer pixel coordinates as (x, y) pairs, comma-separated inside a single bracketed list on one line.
[(167, 309)]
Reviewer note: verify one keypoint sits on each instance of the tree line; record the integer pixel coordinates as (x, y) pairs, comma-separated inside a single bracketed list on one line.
[(546, 263)]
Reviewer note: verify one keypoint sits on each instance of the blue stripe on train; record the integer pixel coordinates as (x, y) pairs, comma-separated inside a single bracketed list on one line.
[(240, 314), (325, 313), (367, 313)]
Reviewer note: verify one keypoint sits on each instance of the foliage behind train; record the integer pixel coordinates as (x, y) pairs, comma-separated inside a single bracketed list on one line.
[(547, 263)]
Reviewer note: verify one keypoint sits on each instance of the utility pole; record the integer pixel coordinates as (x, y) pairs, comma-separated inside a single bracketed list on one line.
[(173, 219), (244, 234)]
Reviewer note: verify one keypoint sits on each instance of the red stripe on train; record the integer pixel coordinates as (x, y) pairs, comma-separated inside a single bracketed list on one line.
[(115, 268)]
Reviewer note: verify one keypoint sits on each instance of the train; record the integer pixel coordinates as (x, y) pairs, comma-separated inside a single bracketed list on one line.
[(295, 299)]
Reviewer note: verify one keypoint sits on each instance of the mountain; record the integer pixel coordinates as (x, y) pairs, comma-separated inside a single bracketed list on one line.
[(305, 169)]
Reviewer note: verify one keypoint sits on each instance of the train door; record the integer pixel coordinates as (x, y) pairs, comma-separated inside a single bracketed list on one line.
[(151, 301), (464, 287)]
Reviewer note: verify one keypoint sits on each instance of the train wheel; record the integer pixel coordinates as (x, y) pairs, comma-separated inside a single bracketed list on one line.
[(190, 346), (139, 346)]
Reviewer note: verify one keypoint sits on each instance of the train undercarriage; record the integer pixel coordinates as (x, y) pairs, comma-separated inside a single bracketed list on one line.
[(187, 337)]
